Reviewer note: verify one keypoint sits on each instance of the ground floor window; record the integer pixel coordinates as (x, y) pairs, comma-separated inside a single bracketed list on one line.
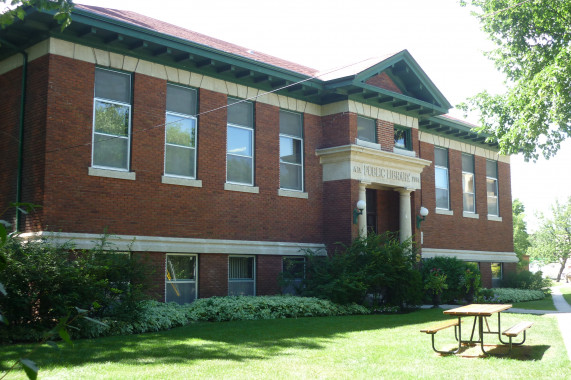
[(180, 278), (293, 273), (241, 276), (497, 274)]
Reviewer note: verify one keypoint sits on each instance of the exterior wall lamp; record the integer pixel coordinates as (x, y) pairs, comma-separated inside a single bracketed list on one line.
[(358, 210), (420, 218)]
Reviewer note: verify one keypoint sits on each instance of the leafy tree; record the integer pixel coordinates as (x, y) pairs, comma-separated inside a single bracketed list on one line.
[(552, 242), (16, 9), (521, 237), (534, 52)]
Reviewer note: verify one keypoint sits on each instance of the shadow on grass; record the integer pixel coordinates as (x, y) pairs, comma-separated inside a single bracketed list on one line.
[(232, 341), (521, 353)]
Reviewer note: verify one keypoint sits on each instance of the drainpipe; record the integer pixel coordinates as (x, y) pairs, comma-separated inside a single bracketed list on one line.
[(21, 129)]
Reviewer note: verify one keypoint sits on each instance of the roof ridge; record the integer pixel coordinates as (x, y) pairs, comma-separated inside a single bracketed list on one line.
[(163, 27)]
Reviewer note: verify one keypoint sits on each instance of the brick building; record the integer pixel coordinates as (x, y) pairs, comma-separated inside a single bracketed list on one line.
[(219, 164)]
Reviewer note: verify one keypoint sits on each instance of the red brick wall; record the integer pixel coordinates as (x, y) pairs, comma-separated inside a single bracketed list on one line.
[(10, 83), (76, 202), (384, 81), (35, 147), (267, 275), (212, 275), (456, 231), (340, 198), (154, 269), (486, 275), (386, 135), (339, 129)]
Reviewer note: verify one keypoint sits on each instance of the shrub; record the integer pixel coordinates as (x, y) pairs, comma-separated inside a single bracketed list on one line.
[(44, 281), (156, 316), (525, 280), (507, 295), (460, 277), (378, 265)]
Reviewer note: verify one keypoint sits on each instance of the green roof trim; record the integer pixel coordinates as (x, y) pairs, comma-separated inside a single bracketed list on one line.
[(457, 130), (420, 98)]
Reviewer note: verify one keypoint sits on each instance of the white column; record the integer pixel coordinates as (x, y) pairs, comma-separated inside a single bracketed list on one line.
[(404, 214), (362, 219)]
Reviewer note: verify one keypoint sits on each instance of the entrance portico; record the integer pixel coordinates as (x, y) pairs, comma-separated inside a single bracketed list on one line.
[(375, 169)]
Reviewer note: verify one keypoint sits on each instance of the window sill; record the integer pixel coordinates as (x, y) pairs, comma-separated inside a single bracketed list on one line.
[(181, 181), (368, 144), (110, 173), (495, 218), (470, 215), (442, 211), (404, 152), (292, 194), (242, 188)]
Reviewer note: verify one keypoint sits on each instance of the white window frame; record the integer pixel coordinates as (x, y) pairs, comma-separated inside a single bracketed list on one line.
[(128, 137), (170, 282), (284, 135), (374, 130), (254, 274), (472, 174), (497, 196), (182, 116), (445, 168), (251, 157)]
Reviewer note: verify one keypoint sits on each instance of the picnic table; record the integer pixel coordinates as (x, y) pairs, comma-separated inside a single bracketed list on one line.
[(480, 312)]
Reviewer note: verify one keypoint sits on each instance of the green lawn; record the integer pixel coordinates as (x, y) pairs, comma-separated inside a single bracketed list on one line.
[(566, 291), (544, 304), (376, 346)]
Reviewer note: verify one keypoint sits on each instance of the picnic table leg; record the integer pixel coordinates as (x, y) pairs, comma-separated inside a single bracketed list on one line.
[(481, 330), (510, 342)]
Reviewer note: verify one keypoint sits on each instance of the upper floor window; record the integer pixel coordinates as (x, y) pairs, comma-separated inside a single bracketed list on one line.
[(403, 139), (111, 120), (240, 142), (366, 129), (492, 187), (468, 187), (180, 132), (441, 178), (291, 151)]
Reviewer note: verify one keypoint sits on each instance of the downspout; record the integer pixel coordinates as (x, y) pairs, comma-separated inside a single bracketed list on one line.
[(21, 130)]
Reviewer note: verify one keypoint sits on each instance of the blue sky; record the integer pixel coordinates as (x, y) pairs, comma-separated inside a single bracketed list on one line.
[(324, 34)]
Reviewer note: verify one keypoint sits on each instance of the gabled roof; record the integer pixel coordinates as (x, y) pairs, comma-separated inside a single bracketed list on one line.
[(394, 82), (402, 85)]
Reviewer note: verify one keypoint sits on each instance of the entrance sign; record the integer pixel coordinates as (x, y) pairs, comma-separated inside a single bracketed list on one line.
[(371, 165)]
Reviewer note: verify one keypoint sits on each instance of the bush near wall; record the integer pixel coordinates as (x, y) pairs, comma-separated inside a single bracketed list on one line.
[(157, 316), (44, 282), (455, 271), (377, 270)]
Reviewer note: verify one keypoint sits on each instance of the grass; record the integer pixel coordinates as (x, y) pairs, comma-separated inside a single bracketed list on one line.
[(544, 304), (374, 346), (566, 291)]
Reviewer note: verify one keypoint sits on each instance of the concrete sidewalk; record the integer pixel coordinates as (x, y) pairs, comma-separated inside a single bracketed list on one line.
[(563, 317)]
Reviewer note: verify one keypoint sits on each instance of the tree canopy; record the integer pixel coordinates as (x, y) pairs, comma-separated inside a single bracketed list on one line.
[(552, 241), (521, 237), (533, 39), (15, 9)]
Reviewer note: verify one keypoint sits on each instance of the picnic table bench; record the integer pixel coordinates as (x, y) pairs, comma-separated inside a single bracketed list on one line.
[(480, 312)]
